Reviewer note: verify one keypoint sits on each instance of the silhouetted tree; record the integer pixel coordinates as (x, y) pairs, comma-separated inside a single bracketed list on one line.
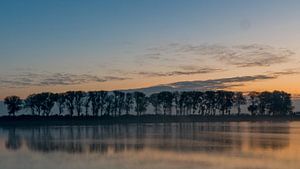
[(36, 100), (118, 102), (70, 97), (280, 103), (177, 102), (121, 103), (94, 98), (239, 100), (182, 103), (87, 102), (221, 102), (141, 102), (272, 103), (224, 100), (98, 101), (229, 99), (263, 102), (47, 102), (254, 101), (109, 105), (78, 101), (14, 104), (60, 101), (197, 102), (128, 104), (166, 99), (30, 102), (210, 102), (155, 101), (186, 103), (102, 101)]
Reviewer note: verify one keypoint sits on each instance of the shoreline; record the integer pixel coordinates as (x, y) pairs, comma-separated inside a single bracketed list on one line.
[(29, 120)]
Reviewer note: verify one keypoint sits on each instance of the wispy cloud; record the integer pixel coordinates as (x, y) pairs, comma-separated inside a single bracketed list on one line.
[(224, 83), (286, 72), (153, 56), (178, 73), (46, 79), (203, 85), (254, 55), (221, 83), (215, 84), (249, 55)]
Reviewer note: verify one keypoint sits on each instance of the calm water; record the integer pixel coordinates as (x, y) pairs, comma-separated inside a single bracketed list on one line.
[(153, 146)]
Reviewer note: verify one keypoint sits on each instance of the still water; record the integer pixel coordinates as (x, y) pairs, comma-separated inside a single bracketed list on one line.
[(246, 145)]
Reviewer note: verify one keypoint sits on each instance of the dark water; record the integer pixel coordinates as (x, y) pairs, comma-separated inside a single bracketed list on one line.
[(244, 145)]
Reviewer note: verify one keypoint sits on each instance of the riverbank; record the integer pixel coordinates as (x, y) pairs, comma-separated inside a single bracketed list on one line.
[(26, 120)]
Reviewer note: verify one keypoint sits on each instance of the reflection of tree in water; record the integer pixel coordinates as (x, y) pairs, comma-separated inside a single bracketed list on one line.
[(195, 137), (179, 137), (265, 137), (47, 139), (78, 139), (98, 147), (13, 141)]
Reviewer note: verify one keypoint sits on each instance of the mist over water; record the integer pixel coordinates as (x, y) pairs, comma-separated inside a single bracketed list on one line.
[(259, 145)]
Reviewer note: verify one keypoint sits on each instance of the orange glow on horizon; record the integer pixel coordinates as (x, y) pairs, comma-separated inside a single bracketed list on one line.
[(287, 83)]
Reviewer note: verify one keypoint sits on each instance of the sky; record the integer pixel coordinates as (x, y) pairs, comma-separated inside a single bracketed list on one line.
[(62, 45)]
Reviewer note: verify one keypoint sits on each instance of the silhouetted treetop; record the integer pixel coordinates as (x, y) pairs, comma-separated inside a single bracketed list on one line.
[(118, 103)]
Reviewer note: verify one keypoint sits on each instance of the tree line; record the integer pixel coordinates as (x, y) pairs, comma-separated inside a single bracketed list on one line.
[(118, 103)]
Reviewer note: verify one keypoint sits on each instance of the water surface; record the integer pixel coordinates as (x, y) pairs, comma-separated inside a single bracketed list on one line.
[(246, 145)]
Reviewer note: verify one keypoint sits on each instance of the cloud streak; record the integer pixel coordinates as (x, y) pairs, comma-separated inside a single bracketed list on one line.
[(251, 55), (286, 72), (179, 73), (46, 79), (214, 84), (218, 83), (203, 85), (254, 55)]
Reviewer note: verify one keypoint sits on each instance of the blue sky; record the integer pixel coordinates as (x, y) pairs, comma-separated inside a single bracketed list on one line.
[(113, 37)]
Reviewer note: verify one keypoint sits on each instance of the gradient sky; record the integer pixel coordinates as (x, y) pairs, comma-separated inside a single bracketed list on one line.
[(61, 45)]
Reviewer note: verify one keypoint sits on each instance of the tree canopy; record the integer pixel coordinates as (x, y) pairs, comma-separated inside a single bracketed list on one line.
[(118, 103)]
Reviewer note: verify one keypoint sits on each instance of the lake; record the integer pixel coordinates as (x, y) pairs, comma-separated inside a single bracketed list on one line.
[(228, 145)]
